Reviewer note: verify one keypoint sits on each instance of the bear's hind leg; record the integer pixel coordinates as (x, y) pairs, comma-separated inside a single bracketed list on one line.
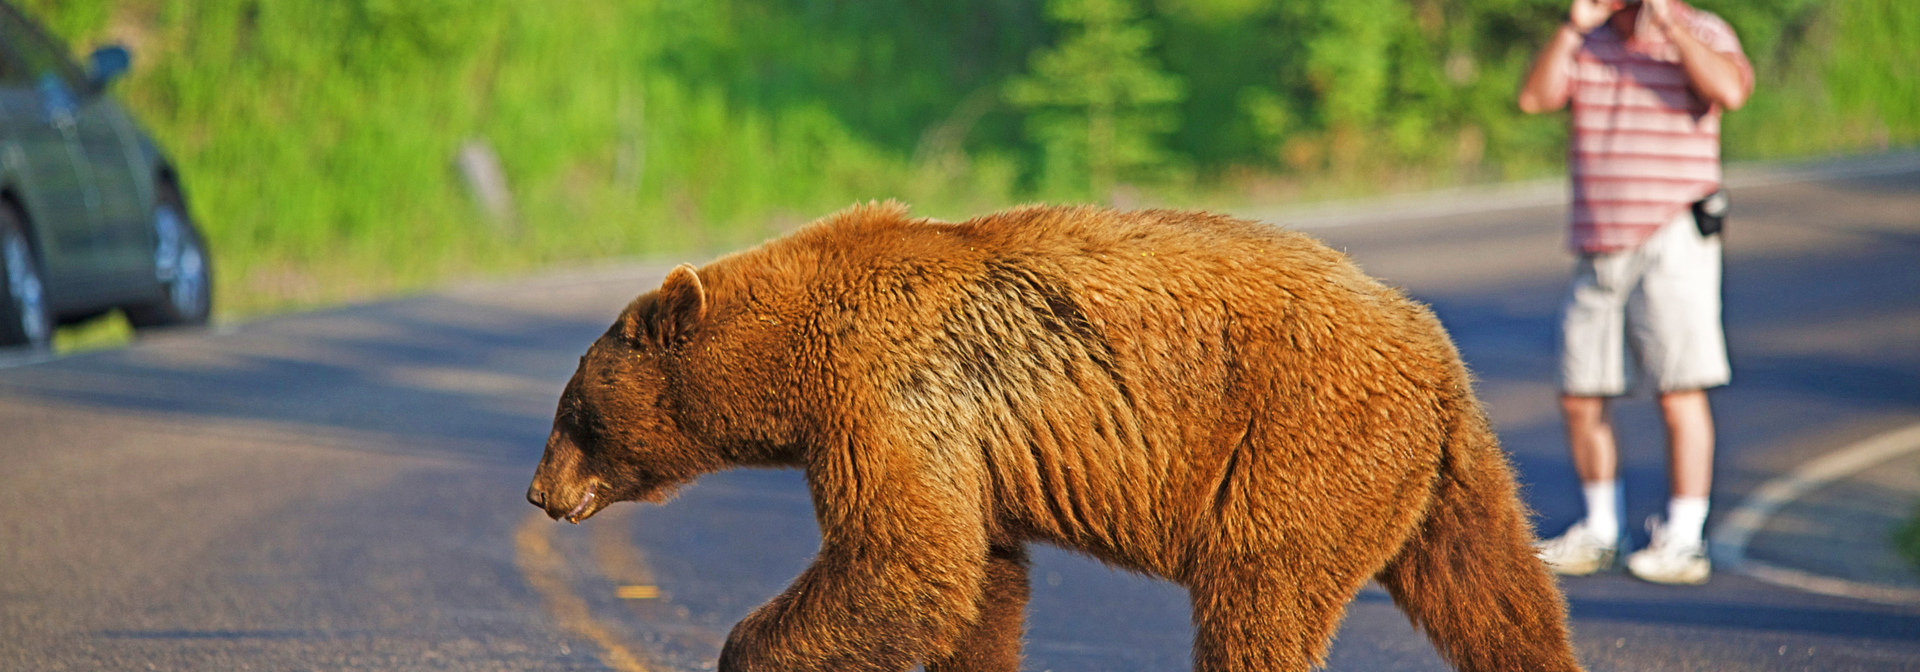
[(1249, 616), (993, 644), (1469, 575)]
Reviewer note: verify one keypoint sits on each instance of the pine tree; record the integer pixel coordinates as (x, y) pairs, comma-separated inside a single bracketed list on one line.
[(1097, 101)]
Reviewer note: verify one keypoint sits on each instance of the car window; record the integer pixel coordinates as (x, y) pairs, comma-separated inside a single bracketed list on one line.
[(31, 55)]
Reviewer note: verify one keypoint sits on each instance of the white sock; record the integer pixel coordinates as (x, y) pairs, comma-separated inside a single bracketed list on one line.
[(1686, 519), (1602, 502)]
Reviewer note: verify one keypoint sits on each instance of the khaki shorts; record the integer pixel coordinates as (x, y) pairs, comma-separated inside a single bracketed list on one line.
[(1653, 310)]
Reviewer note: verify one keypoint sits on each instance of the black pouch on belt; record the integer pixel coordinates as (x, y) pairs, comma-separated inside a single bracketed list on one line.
[(1710, 213)]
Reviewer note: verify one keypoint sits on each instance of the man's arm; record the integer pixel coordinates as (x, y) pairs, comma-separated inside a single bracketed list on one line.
[(1717, 77), (1548, 83)]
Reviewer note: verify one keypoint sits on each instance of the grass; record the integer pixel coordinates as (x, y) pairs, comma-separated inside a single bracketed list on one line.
[(1906, 540), (101, 333)]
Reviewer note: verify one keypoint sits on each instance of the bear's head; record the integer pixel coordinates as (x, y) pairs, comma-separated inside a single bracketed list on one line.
[(618, 434)]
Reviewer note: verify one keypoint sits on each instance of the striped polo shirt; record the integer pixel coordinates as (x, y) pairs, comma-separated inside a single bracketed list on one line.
[(1644, 145)]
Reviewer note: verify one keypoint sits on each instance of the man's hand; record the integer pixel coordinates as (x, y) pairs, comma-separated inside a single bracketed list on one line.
[(1587, 15), (1715, 76), (1659, 13), (1546, 87)]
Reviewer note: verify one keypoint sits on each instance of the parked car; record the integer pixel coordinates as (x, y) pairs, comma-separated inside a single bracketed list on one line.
[(93, 217)]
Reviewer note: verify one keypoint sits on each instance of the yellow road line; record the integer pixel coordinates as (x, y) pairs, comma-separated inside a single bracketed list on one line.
[(612, 547), (621, 561), (546, 571), (637, 592)]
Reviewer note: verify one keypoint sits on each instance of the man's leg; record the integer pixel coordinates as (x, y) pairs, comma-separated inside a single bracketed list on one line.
[(1689, 442), (1689, 463), (1679, 330), (1678, 552), (1590, 437), (1596, 459), (1589, 545), (1592, 366)]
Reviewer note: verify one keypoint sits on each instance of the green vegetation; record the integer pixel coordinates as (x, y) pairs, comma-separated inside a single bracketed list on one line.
[(1096, 101), (1906, 540), (317, 139)]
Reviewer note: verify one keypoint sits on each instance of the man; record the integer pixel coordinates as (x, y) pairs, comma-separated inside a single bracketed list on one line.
[(1647, 80)]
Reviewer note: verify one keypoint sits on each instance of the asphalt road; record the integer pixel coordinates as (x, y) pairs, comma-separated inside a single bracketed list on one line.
[(343, 490)]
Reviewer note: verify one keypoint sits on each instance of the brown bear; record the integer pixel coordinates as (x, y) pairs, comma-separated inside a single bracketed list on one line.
[(1230, 406)]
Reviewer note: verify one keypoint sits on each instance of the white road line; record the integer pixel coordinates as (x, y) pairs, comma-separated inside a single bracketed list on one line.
[(1731, 536), (1547, 192)]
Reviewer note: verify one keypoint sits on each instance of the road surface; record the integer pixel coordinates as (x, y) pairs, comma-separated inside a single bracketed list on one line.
[(344, 489)]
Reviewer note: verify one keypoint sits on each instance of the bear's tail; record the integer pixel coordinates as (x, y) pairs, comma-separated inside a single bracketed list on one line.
[(1469, 574)]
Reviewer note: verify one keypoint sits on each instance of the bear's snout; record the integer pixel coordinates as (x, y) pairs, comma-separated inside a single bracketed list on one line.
[(567, 503), (559, 487), (544, 495)]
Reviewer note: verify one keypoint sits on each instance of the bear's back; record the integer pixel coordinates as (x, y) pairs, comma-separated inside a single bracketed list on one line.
[(1122, 351), (1121, 248)]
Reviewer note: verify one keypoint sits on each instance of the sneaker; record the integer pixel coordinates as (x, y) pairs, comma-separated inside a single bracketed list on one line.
[(1578, 552), (1667, 560)]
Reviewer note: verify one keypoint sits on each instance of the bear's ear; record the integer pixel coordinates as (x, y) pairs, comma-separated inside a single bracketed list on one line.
[(678, 307)]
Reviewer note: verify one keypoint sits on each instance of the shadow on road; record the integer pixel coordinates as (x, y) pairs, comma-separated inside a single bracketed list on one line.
[(1862, 624), (393, 368)]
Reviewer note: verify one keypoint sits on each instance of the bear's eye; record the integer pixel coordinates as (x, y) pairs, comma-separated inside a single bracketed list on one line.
[(583, 418)]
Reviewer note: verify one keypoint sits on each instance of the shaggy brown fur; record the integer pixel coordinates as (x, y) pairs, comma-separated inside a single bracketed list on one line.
[(1230, 406)]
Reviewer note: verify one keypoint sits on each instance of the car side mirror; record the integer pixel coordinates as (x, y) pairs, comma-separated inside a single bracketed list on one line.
[(107, 64)]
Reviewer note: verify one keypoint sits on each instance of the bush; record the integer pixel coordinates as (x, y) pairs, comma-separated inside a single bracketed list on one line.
[(1906, 540)]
